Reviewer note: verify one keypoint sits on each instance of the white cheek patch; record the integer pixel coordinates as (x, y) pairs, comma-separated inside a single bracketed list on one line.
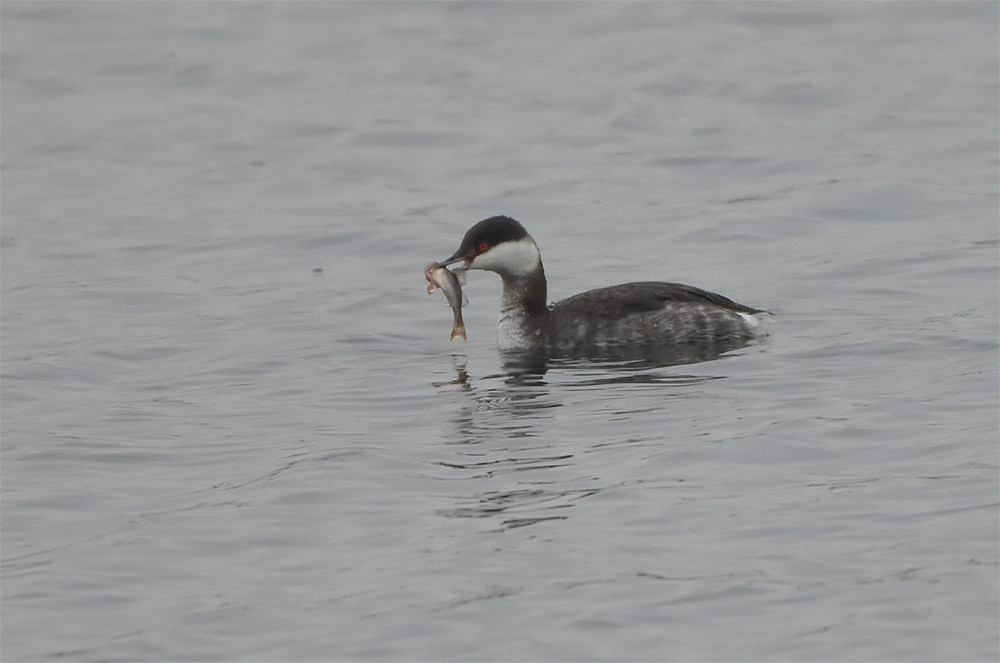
[(517, 258)]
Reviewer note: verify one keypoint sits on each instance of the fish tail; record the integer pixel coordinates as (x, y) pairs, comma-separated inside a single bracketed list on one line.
[(458, 331)]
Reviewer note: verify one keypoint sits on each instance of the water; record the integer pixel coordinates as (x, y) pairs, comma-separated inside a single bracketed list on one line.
[(234, 427)]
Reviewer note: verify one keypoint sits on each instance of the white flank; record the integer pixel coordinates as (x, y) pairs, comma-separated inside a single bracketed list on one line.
[(755, 323)]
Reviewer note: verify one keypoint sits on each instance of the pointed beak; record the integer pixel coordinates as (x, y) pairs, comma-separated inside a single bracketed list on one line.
[(455, 258)]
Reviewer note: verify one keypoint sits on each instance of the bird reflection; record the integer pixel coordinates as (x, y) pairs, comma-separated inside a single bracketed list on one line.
[(503, 432)]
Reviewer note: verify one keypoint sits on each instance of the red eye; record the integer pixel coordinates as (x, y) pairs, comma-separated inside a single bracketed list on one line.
[(484, 247)]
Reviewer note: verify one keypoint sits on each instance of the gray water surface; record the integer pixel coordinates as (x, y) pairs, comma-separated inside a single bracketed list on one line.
[(234, 427)]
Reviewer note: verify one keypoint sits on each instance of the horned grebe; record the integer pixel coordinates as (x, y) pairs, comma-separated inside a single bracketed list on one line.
[(652, 315)]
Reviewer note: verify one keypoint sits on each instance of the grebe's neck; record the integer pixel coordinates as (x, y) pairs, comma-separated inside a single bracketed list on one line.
[(524, 315), (526, 293)]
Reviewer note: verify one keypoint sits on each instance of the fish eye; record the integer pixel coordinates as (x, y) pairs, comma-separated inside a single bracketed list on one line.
[(484, 247)]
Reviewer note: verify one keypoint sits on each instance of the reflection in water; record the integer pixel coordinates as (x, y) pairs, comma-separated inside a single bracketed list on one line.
[(620, 362), (511, 464), (505, 505), (500, 431), (461, 365)]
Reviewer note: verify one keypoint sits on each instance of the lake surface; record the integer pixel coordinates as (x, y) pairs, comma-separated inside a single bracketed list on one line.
[(234, 427)]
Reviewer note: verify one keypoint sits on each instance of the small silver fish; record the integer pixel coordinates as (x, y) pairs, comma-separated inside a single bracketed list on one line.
[(439, 277)]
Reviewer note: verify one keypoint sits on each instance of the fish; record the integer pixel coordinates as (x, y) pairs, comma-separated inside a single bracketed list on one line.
[(440, 277)]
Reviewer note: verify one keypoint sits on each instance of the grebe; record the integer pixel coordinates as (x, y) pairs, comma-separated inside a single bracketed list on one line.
[(654, 316)]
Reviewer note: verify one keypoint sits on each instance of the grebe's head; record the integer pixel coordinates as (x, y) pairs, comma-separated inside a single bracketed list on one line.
[(498, 244)]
